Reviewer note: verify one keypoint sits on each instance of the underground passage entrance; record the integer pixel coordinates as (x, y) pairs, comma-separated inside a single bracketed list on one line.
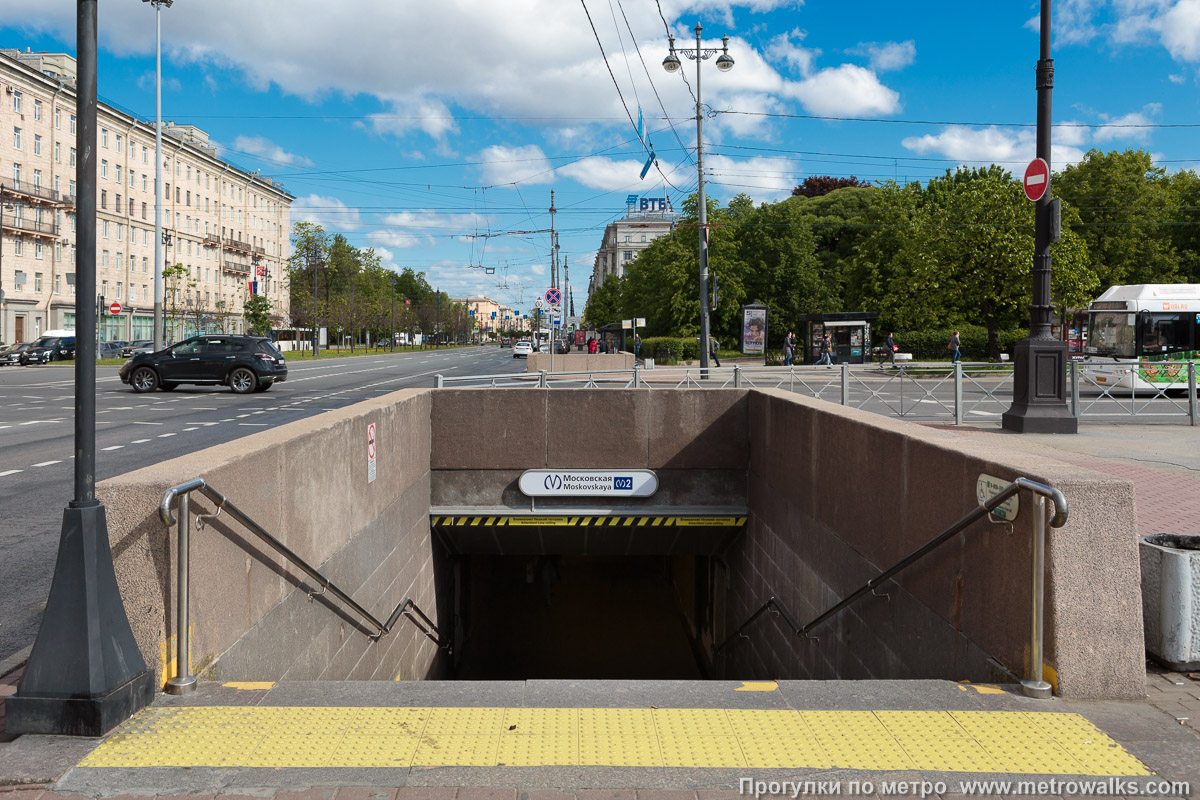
[(600, 597), (581, 617)]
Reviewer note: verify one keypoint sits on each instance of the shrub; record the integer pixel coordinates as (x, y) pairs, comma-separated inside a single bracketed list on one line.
[(671, 350), (931, 344)]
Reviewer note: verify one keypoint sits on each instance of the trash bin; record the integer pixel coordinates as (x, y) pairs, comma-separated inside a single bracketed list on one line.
[(1171, 598), (647, 363)]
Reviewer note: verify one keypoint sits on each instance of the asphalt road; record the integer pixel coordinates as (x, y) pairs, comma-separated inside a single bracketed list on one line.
[(133, 430)]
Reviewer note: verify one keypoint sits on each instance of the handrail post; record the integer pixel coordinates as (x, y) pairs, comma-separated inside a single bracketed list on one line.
[(1075, 389), (437, 381), (737, 376), (958, 387), (183, 682), (1192, 391), (1035, 685), (636, 384), (845, 383), (541, 379)]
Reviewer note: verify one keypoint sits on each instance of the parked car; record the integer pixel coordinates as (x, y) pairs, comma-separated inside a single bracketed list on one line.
[(243, 363), (52, 346), (506, 342), (522, 349), (109, 349), (12, 353), (136, 344)]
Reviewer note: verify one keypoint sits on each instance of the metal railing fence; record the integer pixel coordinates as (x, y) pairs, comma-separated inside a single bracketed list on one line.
[(915, 391)]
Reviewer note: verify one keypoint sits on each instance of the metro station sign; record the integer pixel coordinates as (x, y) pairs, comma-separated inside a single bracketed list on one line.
[(589, 482)]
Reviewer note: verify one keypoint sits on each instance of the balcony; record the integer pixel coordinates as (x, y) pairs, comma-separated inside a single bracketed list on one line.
[(23, 225), (235, 246), (27, 189), (212, 240), (242, 269)]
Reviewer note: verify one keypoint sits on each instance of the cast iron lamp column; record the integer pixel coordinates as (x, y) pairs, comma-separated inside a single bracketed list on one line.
[(159, 332), (724, 63), (1040, 366), (85, 674)]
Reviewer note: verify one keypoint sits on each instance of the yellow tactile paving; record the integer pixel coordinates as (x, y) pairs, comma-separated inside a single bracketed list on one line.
[(1045, 743)]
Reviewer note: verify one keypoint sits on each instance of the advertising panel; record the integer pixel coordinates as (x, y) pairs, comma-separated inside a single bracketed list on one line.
[(754, 331)]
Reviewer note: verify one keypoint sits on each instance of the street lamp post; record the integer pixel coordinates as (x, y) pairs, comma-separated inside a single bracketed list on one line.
[(724, 63), (85, 674), (158, 181), (1040, 363)]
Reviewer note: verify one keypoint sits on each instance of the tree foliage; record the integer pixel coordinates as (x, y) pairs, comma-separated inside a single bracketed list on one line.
[(818, 185)]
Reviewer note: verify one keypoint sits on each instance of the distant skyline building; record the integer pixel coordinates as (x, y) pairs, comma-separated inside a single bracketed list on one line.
[(483, 320), (229, 228), (646, 219)]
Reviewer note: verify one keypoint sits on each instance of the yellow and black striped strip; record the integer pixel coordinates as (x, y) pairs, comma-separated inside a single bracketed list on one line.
[(606, 520)]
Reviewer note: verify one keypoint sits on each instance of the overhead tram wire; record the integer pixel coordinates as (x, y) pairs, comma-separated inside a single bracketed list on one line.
[(961, 123)]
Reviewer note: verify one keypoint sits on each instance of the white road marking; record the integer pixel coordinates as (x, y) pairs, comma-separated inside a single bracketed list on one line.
[(185, 430), (139, 422), (114, 447), (139, 441), (254, 424), (48, 463), (165, 435), (10, 472)]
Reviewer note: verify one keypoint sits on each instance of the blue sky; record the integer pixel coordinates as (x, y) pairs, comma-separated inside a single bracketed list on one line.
[(414, 128)]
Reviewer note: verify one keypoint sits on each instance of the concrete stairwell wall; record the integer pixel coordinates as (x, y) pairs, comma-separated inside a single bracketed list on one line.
[(837, 495), (305, 483)]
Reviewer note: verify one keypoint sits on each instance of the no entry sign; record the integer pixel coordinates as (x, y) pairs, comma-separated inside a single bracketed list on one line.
[(1037, 179), (114, 308)]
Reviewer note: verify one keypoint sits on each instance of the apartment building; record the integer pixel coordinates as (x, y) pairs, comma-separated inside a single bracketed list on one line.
[(489, 317), (645, 220), (225, 230)]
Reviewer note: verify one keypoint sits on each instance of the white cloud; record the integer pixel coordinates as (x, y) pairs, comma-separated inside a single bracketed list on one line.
[(1181, 30), (596, 172), (423, 228), (801, 59), (500, 165), (847, 90), (887, 56), (267, 150), (1118, 128), (416, 113), (974, 146), (328, 212), (169, 84)]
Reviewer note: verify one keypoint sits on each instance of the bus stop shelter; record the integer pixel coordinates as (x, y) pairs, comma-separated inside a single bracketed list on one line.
[(850, 331)]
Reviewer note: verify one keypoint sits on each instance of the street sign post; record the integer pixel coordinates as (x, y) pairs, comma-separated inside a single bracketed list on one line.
[(114, 308), (1037, 179)]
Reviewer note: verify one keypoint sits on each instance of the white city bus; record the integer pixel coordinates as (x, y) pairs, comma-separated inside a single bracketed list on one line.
[(1141, 337)]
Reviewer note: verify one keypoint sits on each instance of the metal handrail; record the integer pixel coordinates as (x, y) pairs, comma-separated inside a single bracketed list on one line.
[(183, 681), (1034, 685)]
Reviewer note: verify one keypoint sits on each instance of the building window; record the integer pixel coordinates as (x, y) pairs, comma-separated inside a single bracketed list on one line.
[(57, 284), (72, 123), (103, 168), (58, 152), (143, 210), (104, 259), (104, 198), (627, 255), (16, 138), (120, 231), (118, 173), (145, 266), (72, 156), (145, 155), (37, 109), (37, 281), (37, 144), (118, 142), (37, 179), (118, 207), (57, 257), (130, 179), (144, 189), (17, 102), (104, 228), (58, 119), (104, 137), (37, 253)]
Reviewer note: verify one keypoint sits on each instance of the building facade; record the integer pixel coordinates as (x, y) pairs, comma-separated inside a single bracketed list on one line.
[(225, 231), (489, 317), (645, 220)]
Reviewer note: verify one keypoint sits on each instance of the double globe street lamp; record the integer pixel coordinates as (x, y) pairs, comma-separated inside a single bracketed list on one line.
[(724, 63)]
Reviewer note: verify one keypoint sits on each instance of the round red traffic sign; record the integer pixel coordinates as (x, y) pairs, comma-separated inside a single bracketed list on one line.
[(553, 297), (114, 308), (1037, 179)]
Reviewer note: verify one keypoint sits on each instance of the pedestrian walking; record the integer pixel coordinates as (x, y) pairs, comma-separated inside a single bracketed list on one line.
[(712, 351), (789, 348), (890, 349), (955, 346), (637, 346), (826, 352)]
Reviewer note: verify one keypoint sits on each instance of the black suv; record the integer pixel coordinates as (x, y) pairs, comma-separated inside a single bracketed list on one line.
[(243, 363), (49, 348)]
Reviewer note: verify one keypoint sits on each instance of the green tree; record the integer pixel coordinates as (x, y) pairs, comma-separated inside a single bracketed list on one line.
[(1124, 205), (604, 304), (256, 311)]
